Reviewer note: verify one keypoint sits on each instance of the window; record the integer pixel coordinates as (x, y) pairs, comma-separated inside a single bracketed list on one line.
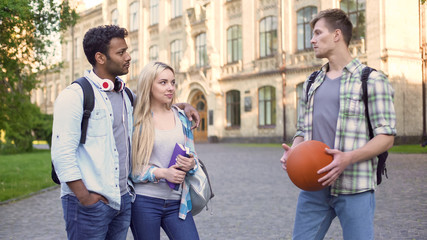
[(69, 50), (201, 51), (268, 36), (233, 108), (154, 53), (176, 52), (304, 31), (154, 12), (234, 44), (176, 8), (76, 48), (356, 12), (267, 106), (299, 93), (134, 16), (134, 64), (115, 17)]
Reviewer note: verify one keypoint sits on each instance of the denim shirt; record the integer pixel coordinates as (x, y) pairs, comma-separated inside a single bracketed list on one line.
[(97, 161)]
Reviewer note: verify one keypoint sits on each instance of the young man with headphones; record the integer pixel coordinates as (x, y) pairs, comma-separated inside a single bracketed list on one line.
[(95, 191)]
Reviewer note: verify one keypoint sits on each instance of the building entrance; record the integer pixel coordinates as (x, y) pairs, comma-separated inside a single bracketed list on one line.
[(199, 102)]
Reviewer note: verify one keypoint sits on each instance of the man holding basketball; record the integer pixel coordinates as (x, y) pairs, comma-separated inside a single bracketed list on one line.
[(333, 112)]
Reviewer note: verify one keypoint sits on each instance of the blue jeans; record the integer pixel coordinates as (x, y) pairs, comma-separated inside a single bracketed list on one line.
[(97, 221), (316, 210), (149, 214)]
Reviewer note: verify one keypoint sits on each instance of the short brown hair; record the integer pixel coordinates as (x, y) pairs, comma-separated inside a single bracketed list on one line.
[(335, 19)]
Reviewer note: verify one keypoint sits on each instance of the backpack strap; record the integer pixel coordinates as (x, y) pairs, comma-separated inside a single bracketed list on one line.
[(310, 82), (88, 105), (381, 168), (130, 95), (365, 75)]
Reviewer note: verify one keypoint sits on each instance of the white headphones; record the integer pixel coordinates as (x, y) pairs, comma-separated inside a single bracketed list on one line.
[(108, 85)]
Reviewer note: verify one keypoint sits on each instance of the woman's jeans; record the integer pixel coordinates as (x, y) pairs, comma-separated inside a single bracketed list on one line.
[(316, 210), (149, 214), (97, 221)]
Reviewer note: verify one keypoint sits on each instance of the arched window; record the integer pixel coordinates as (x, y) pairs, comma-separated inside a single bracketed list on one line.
[(134, 16), (176, 8), (115, 17), (233, 108), (299, 95), (234, 44), (356, 12), (266, 106), (304, 31), (154, 53), (154, 12), (201, 51), (134, 71), (268, 36), (176, 53)]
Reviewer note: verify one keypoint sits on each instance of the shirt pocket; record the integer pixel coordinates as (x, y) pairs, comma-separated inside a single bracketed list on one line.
[(353, 106), (97, 123)]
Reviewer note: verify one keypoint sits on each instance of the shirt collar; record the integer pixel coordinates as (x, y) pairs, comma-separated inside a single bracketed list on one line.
[(350, 67), (90, 74)]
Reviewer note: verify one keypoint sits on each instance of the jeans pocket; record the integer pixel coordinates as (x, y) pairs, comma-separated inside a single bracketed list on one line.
[(92, 206), (95, 212)]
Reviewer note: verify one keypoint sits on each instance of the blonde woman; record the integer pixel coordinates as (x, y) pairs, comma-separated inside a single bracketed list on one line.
[(158, 127)]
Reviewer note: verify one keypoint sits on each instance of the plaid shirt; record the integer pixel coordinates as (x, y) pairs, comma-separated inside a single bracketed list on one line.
[(352, 128)]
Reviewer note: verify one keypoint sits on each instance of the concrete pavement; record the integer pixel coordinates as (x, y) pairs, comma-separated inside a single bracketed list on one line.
[(254, 200)]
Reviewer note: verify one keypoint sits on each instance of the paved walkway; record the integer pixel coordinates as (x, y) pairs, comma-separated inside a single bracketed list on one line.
[(254, 200)]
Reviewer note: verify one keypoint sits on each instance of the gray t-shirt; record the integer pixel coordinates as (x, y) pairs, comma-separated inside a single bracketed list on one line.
[(120, 131), (164, 144), (325, 111)]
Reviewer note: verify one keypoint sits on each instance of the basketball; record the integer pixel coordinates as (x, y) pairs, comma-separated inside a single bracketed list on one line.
[(303, 163)]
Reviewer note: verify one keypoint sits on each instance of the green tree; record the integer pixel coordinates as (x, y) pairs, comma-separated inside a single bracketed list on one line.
[(26, 27)]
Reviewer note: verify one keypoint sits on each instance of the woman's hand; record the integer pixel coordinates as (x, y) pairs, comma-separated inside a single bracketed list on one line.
[(174, 175), (184, 163)]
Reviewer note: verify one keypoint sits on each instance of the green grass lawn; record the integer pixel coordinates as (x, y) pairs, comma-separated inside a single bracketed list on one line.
[(407, 149), (22, 174)]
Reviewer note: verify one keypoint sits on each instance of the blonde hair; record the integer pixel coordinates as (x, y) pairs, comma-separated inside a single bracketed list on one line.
[(143, 135)]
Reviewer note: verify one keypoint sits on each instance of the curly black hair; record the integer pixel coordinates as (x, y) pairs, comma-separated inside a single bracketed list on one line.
[(98, 39)]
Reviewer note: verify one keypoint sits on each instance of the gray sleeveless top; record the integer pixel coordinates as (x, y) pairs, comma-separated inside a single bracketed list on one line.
[(164, 143)]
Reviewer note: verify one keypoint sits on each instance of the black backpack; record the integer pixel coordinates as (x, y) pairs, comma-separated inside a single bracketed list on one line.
[(381, 168), (88, 105)]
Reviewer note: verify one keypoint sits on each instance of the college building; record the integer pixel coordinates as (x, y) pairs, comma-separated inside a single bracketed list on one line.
[(242, 63)]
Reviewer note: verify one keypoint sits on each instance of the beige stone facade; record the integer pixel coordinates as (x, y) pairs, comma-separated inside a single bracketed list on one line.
[(242, 62)]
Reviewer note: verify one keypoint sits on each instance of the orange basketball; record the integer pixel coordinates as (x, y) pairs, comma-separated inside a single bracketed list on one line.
[(303, 163)]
